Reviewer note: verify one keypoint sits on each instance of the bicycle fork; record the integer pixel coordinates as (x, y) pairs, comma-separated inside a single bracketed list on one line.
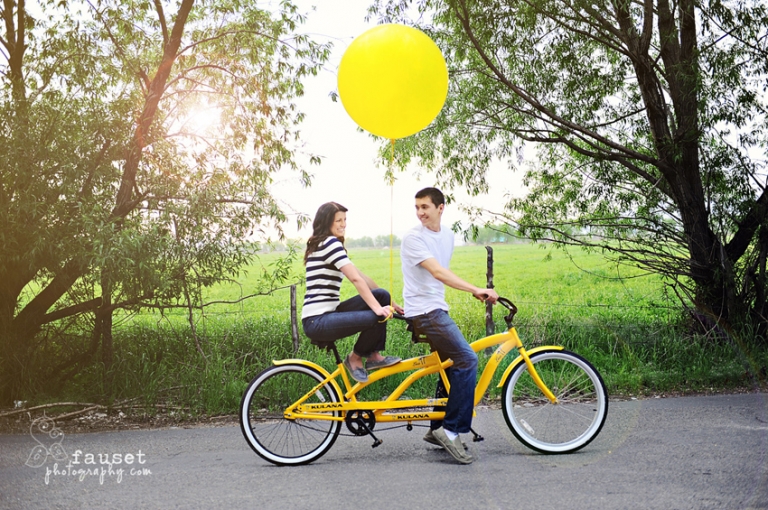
[(508, 340)]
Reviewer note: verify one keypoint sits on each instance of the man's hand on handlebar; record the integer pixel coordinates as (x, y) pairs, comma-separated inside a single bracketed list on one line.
[(484, 295)]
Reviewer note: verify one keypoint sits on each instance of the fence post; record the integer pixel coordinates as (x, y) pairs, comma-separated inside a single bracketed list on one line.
[(490, 327), (294, 321)]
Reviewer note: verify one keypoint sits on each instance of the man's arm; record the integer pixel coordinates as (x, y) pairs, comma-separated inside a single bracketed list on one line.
[(449, 278), (373, 285)]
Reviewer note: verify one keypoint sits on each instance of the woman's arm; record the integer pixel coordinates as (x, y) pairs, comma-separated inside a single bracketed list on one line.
[(372, 285), (361, 283)]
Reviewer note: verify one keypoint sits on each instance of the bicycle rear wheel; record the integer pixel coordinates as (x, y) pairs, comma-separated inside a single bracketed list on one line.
[(287, 441), (571, 423)]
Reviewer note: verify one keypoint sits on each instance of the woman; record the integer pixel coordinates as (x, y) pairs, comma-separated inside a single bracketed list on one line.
[(323, 316)]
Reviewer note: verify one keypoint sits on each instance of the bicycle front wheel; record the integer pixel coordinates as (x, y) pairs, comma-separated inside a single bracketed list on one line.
[(567, 425), (280, 440)]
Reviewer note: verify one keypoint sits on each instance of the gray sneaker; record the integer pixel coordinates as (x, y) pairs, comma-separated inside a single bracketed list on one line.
[(429, 437), (455, 448)]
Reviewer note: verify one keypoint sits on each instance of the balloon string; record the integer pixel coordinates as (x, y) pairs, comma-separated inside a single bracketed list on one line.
[(391, 221)]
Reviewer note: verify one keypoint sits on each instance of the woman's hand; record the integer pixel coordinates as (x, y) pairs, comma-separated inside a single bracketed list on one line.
[(384, 311)]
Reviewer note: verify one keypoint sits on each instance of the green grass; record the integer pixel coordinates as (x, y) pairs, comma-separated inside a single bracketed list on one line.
[(544, 282), (627, 328)]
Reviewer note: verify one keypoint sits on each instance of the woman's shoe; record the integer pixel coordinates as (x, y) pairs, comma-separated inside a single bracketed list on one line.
[(358, 374), (386, 362)]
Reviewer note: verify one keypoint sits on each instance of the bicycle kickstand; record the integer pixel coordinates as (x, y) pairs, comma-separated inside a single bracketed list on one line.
[(477, 437), (376, 440)]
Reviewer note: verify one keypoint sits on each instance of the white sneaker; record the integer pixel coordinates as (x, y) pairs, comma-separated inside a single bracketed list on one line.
[(455, 448)]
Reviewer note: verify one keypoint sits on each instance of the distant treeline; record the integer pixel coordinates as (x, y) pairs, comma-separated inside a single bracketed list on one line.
[(372, 242), (493, 234), (300, 244)]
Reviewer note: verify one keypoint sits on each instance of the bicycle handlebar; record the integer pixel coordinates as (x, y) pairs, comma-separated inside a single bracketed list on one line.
[(509, 305)]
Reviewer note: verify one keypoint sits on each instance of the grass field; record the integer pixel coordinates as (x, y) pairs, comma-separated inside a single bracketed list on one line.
[(546, 281), (627, 327)]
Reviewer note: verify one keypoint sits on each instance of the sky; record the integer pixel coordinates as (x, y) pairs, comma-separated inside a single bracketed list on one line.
[(348, 173)]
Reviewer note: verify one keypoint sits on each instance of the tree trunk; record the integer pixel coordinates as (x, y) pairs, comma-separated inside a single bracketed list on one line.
[(104, 324)]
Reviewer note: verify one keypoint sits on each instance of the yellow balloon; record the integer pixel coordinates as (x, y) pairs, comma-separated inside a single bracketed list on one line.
[(393, 80)]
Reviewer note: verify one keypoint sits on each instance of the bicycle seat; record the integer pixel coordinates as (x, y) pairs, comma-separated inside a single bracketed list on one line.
[(416, 335), (327, 345)]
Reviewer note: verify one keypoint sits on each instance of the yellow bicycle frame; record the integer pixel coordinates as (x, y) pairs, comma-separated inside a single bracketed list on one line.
[(422, 366)]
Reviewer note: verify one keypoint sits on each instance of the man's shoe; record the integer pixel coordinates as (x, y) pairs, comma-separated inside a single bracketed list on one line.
[(429, 437), (455, 448), (358, 374), (388, 361)]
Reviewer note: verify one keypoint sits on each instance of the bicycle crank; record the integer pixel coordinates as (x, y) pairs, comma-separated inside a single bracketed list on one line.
[(361, 423)]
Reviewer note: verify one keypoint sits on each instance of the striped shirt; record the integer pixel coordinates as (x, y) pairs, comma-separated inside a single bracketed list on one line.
[(324, 278)]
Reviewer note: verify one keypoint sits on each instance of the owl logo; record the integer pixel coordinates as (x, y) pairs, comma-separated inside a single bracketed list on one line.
[(48, 437)]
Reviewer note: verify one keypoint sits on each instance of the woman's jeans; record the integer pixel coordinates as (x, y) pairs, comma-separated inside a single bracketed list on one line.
[(446, 338), (350, 317)]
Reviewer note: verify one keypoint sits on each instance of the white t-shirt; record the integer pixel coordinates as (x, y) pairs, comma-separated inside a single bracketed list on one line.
[(422, 292)]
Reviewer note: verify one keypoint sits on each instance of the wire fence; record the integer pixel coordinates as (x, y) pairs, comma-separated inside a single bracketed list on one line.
[(541, 316), (537, 316)]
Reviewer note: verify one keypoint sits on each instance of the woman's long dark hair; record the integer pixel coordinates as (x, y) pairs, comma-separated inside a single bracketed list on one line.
[(321, 226)]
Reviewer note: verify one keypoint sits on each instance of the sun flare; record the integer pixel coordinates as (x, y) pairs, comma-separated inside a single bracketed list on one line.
[(203, 119)]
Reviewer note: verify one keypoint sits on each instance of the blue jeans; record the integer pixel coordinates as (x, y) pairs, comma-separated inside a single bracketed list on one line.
[(350, 317), (445, 337)]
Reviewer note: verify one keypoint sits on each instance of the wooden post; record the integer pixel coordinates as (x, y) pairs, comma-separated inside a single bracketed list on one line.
[(490, 327), (294, 320)]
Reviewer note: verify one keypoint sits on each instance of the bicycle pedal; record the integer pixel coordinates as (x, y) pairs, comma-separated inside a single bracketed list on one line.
[(376, 443)]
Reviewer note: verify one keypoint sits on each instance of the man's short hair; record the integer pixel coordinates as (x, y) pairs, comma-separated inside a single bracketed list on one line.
[(434, 194)]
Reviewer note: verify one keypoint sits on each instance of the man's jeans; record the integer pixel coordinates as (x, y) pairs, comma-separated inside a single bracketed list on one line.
[(446, 338), (350, 317)]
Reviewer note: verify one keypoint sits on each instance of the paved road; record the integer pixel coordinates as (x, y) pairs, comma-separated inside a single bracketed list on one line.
[(668, 453)]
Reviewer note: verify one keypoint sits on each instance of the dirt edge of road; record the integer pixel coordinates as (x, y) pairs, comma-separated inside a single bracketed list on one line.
[(104, 420)]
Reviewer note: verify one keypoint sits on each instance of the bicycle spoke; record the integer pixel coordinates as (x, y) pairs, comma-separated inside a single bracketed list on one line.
[(569, 424), (278, 439)]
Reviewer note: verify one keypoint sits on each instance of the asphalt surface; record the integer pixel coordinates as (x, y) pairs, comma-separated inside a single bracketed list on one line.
[(667, 453)]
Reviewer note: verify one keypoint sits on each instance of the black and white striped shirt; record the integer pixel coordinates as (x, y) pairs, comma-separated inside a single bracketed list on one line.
[(324, 278)]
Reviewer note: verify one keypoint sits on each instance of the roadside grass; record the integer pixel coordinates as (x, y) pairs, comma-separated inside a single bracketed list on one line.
[(628, 328)]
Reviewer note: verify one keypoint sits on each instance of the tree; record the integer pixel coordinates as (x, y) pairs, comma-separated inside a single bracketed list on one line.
[(363, 242), (383, 241), (113, 193), (649, 119), (490, 233)]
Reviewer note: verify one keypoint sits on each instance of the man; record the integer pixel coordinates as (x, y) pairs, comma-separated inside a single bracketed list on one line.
[(426, 253)]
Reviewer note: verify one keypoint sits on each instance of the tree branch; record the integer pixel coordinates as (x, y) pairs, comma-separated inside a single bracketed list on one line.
[(161, 18), (550, 116), (747, 228), (123, 202), (69, 311)]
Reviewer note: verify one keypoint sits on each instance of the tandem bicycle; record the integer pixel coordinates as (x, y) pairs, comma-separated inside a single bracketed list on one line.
[(553, 400)]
